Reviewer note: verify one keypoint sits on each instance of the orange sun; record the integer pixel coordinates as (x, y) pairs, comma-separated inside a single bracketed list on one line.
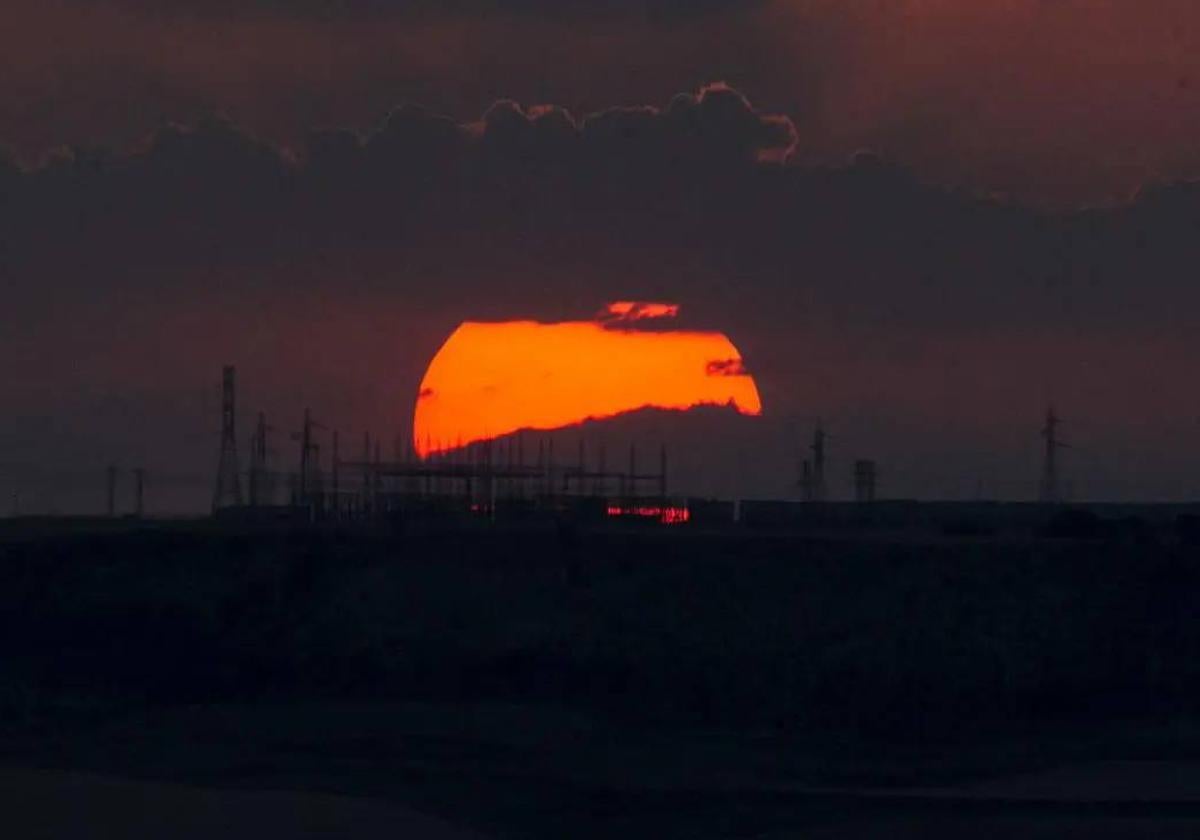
[(491, 379)]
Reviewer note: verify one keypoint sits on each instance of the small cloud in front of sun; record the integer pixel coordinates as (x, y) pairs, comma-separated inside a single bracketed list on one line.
[(625, 311)]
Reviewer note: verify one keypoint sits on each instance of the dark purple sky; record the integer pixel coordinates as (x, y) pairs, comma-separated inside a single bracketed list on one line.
[(1052, 100), (306, 226)]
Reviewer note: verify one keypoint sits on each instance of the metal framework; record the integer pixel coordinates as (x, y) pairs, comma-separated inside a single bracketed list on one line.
[(1050, 491), (229, 484)]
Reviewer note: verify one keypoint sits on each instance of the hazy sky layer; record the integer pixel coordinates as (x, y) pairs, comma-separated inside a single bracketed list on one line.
[(1065, 101), (252, 184)]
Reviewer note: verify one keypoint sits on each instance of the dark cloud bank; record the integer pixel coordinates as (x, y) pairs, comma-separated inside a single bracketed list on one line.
[(928, 328), (666, 10), (1059, 103)]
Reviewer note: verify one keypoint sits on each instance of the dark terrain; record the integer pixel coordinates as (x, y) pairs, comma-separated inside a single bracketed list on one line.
[(559, 680)]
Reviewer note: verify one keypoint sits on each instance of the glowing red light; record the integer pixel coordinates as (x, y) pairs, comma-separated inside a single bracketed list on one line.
[(670, 515)]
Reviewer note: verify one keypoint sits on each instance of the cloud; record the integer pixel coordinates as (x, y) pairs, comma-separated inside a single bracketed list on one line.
[(716, 122), (626, 311), (658, 10), (1058, 103), (726, 367), (652, 192), (332, 270), (412, 136), (721, 119)]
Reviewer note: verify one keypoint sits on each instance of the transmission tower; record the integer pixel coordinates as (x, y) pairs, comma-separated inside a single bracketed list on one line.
[(259, 490), (335, 466), (310, 461), (1049, 492), (305, 456), (865, 477), (662, 473), (139, 492), (812, 470), (818, 450), (229, 486), (110, 476)]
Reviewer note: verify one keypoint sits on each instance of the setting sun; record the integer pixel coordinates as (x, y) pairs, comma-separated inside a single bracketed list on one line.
[(492, 379)]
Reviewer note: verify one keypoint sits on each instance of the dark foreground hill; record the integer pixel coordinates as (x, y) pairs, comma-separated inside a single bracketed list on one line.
[(498, 673)]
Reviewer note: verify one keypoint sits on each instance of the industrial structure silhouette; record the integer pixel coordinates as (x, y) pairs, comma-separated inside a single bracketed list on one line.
[(489, 478)]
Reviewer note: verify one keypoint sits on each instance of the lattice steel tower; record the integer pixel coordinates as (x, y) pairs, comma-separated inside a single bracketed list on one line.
[(812, 470), (1050, 491), (229, 484), (260, 490)]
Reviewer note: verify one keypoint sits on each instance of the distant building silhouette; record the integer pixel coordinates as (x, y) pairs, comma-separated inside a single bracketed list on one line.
[(865, 476)]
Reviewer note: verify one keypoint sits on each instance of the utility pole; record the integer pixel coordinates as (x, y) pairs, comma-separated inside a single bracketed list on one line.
[(377, 479), (258, 462), (317, 482), (229, 486), (812, 470), (662, 474), (311, 491), (600, 484), (366, 472), (865, 473), (581, 470), (305, 452), (111, 480), (335, 467), (1050, 492), (139, 485), (629, 488), (818, 450)]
